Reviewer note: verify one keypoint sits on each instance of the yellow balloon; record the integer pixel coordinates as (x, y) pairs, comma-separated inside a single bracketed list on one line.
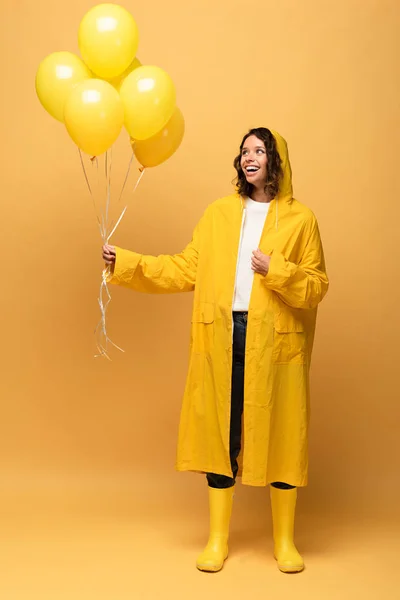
[(118, 81), (108, 40), (149, 99), (94, 116), (57, 74), (157, 149)]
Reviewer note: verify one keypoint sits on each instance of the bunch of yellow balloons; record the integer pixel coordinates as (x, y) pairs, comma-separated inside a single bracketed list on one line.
[(109, 88)]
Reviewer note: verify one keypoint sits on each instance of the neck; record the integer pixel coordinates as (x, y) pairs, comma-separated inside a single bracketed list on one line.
[(259, 195)]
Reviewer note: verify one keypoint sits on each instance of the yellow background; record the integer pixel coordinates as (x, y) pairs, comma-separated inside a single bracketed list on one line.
[(89, 438)]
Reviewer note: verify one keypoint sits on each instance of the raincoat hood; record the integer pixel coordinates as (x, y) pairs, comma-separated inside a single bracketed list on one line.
[(285, 188), (285, 192)]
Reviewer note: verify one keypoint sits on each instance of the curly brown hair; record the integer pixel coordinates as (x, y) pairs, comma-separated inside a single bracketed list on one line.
[(274, 164)]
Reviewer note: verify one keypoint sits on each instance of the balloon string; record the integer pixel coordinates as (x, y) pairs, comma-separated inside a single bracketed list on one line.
[(101, 331), (123, 186), (91, 193), (104, 296), (104, 299), (95, 163), (126, 206), (108, 186), (126, 178)]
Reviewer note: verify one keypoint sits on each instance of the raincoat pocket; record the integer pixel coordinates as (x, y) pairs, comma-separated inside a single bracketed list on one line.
[(289, 340), (202, 334)]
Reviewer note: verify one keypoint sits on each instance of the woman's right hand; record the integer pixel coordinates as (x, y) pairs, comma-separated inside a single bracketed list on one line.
[(109, 255)]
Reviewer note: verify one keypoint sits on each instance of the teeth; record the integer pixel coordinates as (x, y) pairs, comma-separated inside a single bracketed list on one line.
[(251, 169)]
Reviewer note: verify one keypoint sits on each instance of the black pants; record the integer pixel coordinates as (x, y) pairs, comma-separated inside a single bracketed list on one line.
[(238, 364)]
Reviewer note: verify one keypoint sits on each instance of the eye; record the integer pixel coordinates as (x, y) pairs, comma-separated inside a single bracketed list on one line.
[(260, 151)]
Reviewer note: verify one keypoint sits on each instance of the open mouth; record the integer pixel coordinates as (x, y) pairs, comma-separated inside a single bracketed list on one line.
[(252, 170)]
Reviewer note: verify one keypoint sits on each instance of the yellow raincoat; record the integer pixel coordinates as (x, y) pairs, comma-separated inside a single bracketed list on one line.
[(280, 333)]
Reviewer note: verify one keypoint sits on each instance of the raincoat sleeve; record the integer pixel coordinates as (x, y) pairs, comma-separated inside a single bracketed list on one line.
[(303, 285), (163, 274)]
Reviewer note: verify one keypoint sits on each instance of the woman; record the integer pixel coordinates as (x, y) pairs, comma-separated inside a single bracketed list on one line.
[(257, 269)]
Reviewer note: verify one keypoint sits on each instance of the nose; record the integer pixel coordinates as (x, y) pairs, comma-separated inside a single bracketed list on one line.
[(249, 159)]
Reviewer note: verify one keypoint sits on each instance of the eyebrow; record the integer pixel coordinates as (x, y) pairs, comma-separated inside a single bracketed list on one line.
[(257, 148)]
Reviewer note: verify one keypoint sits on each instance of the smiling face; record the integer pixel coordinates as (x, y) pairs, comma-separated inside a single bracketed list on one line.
[(258, 166), (254, 161)]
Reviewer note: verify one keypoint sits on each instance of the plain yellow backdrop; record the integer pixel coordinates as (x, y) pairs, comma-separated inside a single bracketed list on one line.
[(323, 74)]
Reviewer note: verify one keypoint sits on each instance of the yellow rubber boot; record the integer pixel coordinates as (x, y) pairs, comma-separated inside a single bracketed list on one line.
[(213, 557), (283, 504)]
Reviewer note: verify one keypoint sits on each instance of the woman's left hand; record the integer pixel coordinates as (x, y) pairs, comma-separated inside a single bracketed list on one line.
[(260, 262)]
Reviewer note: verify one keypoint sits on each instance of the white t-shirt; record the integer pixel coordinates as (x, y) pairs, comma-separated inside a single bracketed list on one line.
[(254, 217)]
